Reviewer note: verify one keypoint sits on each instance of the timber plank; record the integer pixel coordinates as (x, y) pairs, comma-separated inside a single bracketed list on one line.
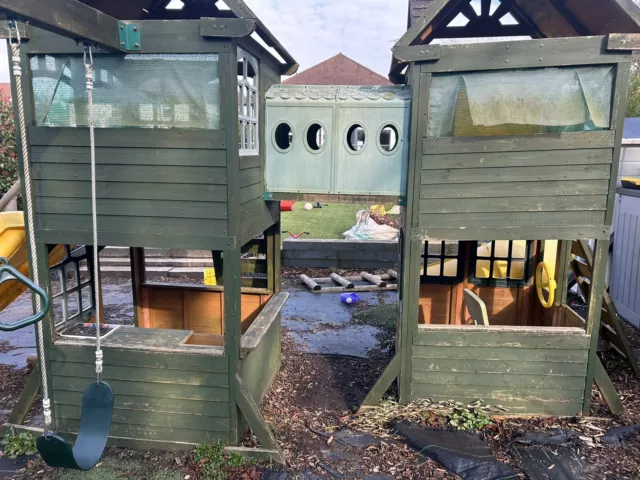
[(141, 359), (250, 176), (517, 189), (131, 190), (519, 143), (547, 232), (565, 338), (516, 174), (146, 389), (501, 367), (550, 52), (517, 159), (499, 380), (514, 204), (505, 394), (426, 354), (154, 404), (129, 137), (130, 156), (132, 173), (153, 419), (135, 374), (515, 407), (515, 219), (193, 436), (121, 225), (141, 208)]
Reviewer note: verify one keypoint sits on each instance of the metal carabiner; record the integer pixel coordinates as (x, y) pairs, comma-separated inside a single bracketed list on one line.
[(14, 24), (88, 53)]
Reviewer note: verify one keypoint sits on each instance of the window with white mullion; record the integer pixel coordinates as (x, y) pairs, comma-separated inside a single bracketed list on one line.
[(247, 75)]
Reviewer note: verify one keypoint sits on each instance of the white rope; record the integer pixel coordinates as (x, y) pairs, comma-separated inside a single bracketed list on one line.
[(88, 63), (17, 73)]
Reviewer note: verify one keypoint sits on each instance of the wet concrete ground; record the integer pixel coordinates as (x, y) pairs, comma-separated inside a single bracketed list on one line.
[(319, 323)]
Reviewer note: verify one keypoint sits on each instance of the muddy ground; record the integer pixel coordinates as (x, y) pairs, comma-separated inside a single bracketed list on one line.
[(316, 394)]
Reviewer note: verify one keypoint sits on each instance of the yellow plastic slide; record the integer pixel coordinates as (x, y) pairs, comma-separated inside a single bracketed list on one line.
[(13, 246)]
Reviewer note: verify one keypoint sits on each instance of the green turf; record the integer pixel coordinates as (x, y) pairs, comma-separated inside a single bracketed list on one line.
[(330, 221)]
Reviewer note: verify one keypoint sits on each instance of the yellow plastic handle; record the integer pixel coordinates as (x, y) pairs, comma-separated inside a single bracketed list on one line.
[(541, 284)]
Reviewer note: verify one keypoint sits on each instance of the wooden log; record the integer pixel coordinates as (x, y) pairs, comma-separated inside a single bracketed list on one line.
[(392, 274), (375, 279), (310, 283), (341, 280)]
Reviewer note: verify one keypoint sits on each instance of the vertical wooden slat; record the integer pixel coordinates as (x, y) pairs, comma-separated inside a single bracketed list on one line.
[(136, 256), (617, 123), (595, 311)]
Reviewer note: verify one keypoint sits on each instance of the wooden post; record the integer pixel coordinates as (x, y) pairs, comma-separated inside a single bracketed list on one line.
[(218, 266), (136, 255), (375, 279), (232, 334), (310, 283), (593, 320)]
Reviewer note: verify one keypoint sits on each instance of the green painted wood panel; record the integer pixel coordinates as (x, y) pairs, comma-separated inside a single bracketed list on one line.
[(519, 143), (259, 368), (514, 204), (250, 176), (515, 219), (517, 159), (505, 175), (134, 208), (130, 156), (153, 419), (132, 225), (526, 370), (131, 191), (132, 173), (124, 431), (517, 189), (153, 404)]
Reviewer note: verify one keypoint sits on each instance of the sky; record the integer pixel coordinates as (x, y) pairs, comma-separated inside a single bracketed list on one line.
[(314, 30)]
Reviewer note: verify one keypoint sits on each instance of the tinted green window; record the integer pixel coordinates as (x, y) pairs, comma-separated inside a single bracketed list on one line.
[(149, 91)]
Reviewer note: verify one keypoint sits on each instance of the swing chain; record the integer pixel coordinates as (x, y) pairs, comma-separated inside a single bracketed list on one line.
[(88, 64), (22, 131)]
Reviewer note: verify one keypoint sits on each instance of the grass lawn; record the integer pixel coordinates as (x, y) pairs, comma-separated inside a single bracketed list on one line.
[(330, 221)]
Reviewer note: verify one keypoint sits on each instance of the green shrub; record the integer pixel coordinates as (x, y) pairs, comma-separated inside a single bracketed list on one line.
[(21, 444), (472, 419), (8, 152), (214, 463)]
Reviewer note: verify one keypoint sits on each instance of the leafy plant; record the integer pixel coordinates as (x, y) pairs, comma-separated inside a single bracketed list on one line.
[(21, 444), (633, 99), (468, 419), (8, 152), (213, 463)]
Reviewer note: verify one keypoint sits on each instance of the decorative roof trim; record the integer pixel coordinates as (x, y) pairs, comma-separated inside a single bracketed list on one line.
[(338, 92)]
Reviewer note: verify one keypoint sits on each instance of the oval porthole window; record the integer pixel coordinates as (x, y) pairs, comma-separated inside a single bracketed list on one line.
[(315, 137), (283, 136), (356, 137), (389, 138)]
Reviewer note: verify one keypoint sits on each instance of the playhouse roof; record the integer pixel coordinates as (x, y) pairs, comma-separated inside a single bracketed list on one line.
[(431, 19), (338, 70), (108, 10)]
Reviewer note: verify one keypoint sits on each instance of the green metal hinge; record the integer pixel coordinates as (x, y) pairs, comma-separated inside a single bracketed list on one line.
[(130, 38), (267, 196)]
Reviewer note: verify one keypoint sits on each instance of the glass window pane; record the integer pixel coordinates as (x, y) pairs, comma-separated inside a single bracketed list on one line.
[(517, 270), (520, 102), (500, 269), (501, 249), (142, 90), (519, 249), (451, 267), (451, 249), (434, 248), (433, 268), (484, 248), (482, 268)]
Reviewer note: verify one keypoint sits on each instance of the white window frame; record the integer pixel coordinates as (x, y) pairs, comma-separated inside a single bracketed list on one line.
[(253, 121)]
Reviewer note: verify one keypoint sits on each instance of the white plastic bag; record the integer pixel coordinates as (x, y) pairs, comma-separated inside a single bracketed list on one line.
[(367, 229)]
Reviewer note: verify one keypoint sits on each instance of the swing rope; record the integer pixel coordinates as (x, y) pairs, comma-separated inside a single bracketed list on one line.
[(88, 64), (17, 73)]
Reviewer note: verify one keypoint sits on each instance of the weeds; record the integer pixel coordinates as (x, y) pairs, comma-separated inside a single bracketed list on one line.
[(213, 463), (17, 445), (470, 419)]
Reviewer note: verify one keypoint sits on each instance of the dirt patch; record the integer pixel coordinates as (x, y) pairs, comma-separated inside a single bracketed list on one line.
[(12, 382)]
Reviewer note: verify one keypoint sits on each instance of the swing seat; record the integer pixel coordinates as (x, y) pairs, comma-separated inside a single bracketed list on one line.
[(95, 422)]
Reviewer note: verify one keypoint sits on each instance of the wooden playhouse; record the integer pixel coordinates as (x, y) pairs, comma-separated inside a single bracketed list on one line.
[(179, 101), (513, 155)]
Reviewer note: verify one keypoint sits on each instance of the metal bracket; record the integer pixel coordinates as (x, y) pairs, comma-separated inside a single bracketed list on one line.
[(267, 196), (402, 201), (130, 36)]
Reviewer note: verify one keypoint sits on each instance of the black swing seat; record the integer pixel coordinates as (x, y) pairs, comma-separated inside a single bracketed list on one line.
[(95, 422)]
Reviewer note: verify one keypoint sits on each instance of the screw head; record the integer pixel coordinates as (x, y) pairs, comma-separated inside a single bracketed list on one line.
[(137, 45)]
